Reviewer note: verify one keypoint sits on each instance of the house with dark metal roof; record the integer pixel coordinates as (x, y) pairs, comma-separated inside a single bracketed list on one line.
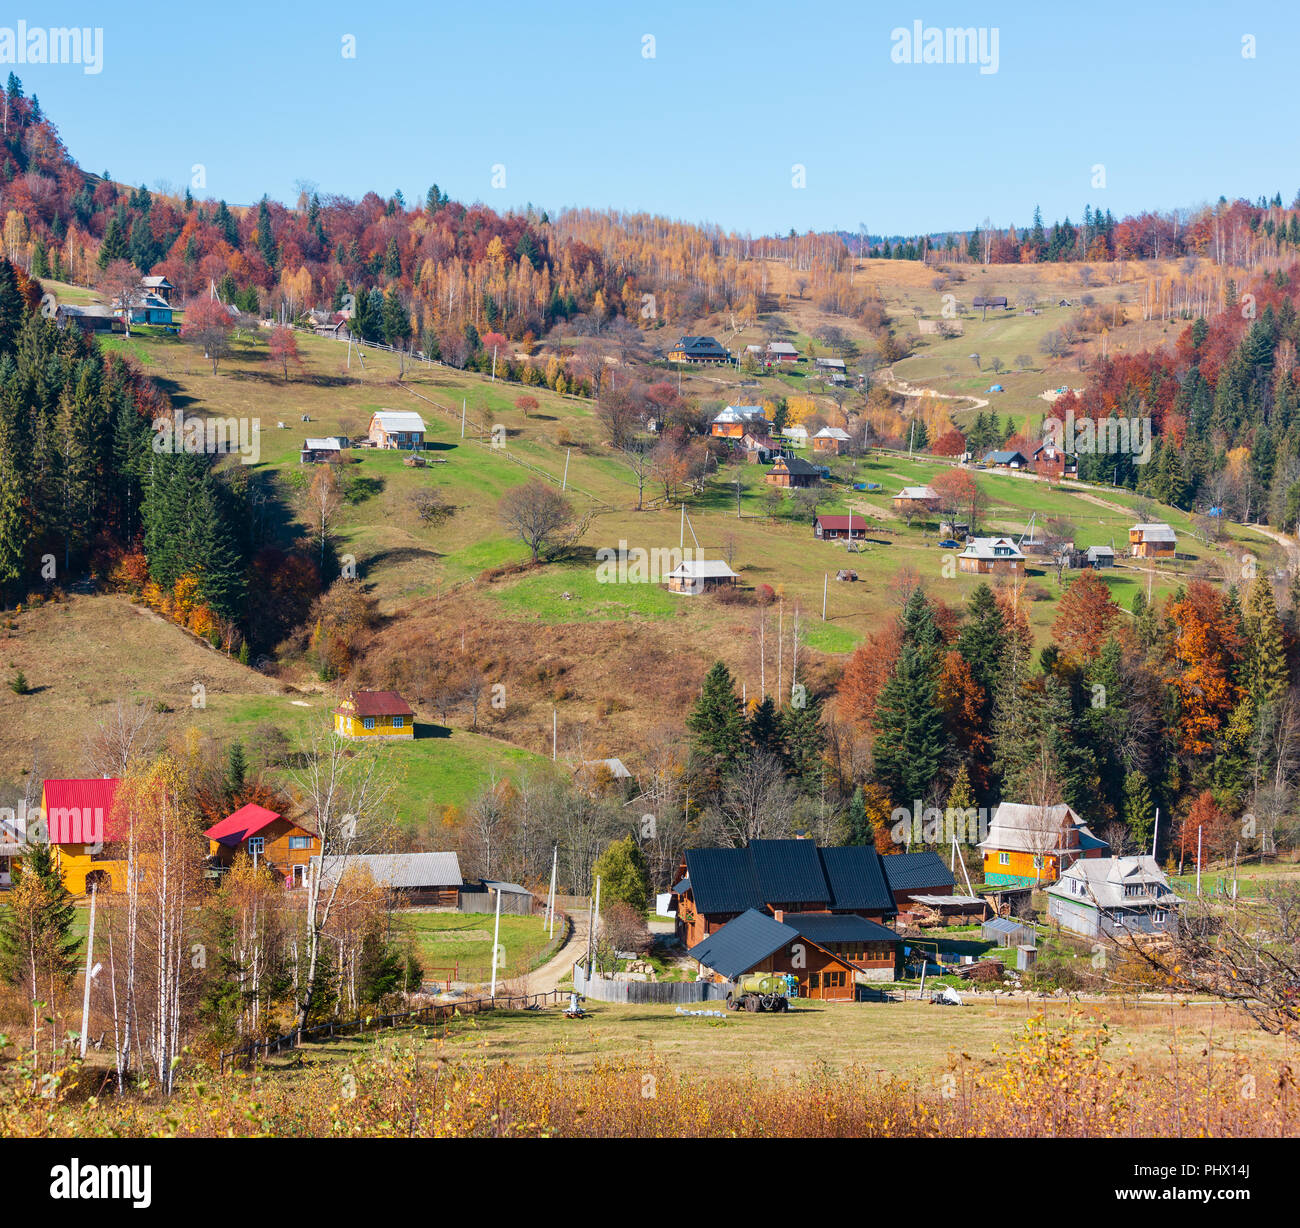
[(793, 471), (910, 874), (828, 954), (1006, 459), (699, 350)]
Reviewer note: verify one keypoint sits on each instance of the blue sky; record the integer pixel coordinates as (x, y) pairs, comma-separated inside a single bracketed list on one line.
[(736, 95)]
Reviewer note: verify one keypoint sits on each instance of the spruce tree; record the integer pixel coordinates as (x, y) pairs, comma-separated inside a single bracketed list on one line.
[(1138, 812), (909, 742), (716, 720), (37, 942), (765, 728), (804, 740), (1265, 666)]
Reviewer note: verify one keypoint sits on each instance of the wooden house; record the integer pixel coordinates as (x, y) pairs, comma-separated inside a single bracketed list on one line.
[(1104, 896), (147, 308), (695, 576), (836, 528), (759, 449), (375, 714), (780, 352), (81, 824), (735, 421), (916, 499), (911, 874), (830, 439), (412, 878), (396, 428), (159, 287), (1028, 845), (697, 350), (829, 955), (992, 556), (792, 471), (269, 839), (1100, 556), (1152, 541), (322, 451), (90, 317)]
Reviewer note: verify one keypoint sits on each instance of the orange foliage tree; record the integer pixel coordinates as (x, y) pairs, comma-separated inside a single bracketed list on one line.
[(1202, 654), (1084, 619)]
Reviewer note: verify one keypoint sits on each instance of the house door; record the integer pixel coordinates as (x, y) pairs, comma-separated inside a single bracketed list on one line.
[(299, 875)]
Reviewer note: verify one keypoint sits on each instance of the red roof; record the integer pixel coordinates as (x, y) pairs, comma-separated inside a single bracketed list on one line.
[(380, 703), (80, 811), (246, 821), (840, 523)]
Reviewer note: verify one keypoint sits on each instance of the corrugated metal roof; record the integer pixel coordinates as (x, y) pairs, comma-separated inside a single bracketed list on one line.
[(723, 880), (744, 941), (404, 870), (246, 821), (789, 870), (856, 880), (821, 927), (80, 811), (908, 871)]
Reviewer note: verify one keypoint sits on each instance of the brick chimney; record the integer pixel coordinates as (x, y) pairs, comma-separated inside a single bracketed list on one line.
[(778, 914)]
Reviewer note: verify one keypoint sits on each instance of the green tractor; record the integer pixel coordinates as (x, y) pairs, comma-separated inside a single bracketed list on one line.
[(763, 991)]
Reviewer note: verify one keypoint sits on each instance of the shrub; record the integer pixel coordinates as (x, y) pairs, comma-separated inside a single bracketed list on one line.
[(18, 684)]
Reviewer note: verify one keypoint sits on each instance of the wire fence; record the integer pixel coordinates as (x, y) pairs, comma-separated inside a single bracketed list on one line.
[(259, 1049)]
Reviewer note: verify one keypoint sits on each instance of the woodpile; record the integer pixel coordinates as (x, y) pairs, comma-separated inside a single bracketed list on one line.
[(984, 970)]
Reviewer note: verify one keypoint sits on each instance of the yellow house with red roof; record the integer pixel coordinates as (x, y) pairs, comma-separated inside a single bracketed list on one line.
[(79, 823), (374, 714)]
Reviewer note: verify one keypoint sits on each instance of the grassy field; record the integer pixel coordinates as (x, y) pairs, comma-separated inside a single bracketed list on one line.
[(902, 1038), (458, 945)]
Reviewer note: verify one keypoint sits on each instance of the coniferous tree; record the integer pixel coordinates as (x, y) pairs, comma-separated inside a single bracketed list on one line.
[(909, 742), (717, 720)]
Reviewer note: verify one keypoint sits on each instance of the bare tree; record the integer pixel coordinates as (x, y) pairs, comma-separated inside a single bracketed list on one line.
[(324, 498), (125, 732), (537, 514), (123, 285), (757, 801), (638, 457), (346, 792)]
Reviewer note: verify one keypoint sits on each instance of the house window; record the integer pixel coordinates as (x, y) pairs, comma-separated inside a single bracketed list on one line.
[(300, 842), (1004, 859), (398, 722), (368, 722), (1159, 916), (256, 845), (1038, 861), (814, 980)]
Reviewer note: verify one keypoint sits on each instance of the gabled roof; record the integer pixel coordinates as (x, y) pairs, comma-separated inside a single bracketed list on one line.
[(379, 703), (840, 524), (1004, 458), (789, 870), (916, 871), (702, 347), (722, 880), (1100, 551), (1102, 881), (796, 465), (1020, 827), (702, 569), (80, 811), (856, 879), (246, 821), (832, 432), (992, 548), (321, 445), (744, 941), (824, 927), (740, 413), (398, 420), (781, 347), (401, 870), (917, 492), (1154, 532)]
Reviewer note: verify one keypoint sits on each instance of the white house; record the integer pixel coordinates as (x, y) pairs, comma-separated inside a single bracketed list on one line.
[(1111, 895), (699, 575), (396, 428)]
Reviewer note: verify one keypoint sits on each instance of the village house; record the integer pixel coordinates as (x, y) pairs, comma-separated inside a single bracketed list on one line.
[(600, 775), (694, 576), (13, 835), (916, 499), (80, 824), (160, 287), (792, 471), (735, 421), (780, 352), (834, 528), (795, 436), (759, 449), (992, 556), (834, 899), (1047, 460), (1103, 896), (1006, 460), (148, 308), (830, 364), (269, 839), (1028, 845), (1152, 541), (412, 878), (1100, 556), (318, 451), (830, 439), (374, 714), (90, 317), (396, 428), (693, 350)]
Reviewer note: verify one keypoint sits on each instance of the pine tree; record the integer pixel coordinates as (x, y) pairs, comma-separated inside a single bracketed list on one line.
[(1265, 666), (765, 728), (961, 796), (909, 742), (716, 720), (804, 740), (859, 824), (37, 942), (1138, 810), (113, 246)]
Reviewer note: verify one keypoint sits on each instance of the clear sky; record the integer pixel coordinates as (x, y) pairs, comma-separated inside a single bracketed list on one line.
[(565, 97)]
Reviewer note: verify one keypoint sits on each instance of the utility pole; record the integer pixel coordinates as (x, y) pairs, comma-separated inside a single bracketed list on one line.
[(555, 862), (555, 731), (462, 417), (564, 485), (90, 972), (1155, 832), (496, 939), (825, 584), (1198, 863)]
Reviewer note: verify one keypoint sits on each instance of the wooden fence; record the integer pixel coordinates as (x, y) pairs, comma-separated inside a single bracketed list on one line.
[(669, 993), (435, 1012)]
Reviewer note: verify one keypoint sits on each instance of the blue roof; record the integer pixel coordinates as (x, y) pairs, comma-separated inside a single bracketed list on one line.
[(856, 880), (744, 941), (678, 888), (916, 871), (823, 927)]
